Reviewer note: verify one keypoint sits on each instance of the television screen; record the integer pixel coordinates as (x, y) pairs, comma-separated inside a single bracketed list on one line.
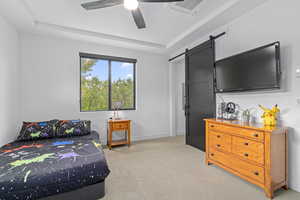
[(252, 70)]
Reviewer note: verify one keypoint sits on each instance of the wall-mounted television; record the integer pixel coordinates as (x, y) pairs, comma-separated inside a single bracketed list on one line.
[(257, 69)]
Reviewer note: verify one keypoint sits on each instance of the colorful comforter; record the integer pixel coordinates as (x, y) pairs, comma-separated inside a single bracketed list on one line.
[(35, 169)]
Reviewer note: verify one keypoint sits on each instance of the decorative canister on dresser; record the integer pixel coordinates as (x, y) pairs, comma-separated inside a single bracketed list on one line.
[(251, 151)]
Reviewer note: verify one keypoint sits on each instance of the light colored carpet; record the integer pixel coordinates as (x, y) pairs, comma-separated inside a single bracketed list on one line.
[(167, 169)]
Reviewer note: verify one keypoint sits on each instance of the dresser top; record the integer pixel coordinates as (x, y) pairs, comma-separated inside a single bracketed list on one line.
[(118, 120), (251, 125)]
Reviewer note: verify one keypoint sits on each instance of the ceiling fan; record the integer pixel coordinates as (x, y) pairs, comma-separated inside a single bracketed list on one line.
[(132, 5)]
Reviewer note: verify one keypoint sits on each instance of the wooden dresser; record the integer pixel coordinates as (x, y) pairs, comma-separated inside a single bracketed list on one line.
[(253, 152)]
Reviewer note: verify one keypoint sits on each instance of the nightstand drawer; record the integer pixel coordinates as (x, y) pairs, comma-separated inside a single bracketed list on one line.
[(120, 126)]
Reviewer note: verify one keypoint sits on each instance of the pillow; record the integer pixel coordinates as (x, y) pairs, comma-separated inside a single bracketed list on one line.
[(69, 128), (37, 130)]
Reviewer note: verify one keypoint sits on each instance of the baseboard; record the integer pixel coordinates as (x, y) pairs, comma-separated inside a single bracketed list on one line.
[(294, 187), (180, 133), (150, 137), (141, 137)]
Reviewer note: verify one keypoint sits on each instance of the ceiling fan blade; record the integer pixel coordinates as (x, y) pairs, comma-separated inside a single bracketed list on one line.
[(101, 4), (138, 18), (160, 1)]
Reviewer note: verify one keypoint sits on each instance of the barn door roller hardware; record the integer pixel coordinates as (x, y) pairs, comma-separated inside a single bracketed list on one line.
[(211, 37)]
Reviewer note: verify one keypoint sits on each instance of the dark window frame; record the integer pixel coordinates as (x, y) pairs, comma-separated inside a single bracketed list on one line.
[(109, 59)]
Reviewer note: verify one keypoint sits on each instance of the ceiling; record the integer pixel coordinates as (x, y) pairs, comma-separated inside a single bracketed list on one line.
[(167, 24)]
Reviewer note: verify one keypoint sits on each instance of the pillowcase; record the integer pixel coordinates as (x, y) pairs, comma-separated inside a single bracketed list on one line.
[(37, 130), (69, 128)]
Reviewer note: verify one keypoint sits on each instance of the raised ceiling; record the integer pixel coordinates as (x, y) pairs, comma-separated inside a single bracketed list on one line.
[(167, 23)]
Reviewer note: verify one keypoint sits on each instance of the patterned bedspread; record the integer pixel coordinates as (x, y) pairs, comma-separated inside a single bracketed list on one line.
[(35, 169)]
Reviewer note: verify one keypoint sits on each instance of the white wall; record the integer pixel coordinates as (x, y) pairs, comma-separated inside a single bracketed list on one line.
[(274, 20), (9, 79), (50, 85)]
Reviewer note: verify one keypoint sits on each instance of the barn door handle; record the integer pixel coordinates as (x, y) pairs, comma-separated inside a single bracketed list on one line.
[(183, 97)]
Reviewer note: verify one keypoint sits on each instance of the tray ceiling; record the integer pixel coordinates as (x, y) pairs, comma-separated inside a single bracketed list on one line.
[(165, 26)]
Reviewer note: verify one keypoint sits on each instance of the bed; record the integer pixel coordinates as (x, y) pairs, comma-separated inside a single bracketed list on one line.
[(41, 168)]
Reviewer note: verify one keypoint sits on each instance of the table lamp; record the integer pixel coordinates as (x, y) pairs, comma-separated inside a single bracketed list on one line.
[(117, 105)]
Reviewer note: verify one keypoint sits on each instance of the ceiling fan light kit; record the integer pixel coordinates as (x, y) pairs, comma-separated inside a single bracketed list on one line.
[(132, 5)]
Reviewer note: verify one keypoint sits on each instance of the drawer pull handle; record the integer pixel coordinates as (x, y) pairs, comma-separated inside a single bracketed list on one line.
[(218, 136), (212, 154), (218, 145), (256, 173), (255, 135), (246, 143), (246, 154), (212, 126)]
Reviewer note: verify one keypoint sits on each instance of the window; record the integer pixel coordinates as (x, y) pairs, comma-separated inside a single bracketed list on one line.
[(106, 83)]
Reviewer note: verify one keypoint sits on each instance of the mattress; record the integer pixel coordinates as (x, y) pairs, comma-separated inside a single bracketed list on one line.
[(35, 169)]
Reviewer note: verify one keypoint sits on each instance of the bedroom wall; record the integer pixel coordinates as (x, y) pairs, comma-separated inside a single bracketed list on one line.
[(9, 76), (51, 79), (270, 22)]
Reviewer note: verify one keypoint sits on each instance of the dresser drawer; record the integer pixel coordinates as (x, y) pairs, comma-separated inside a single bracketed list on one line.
[(251, 134), (120, 126), (246, 169), (247, 155), (220, 141), (248, 145)]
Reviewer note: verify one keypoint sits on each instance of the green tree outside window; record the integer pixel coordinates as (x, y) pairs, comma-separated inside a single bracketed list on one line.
[(105, 81)]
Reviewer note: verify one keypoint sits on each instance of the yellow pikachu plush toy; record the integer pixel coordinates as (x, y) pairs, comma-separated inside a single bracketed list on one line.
[(270, 115)]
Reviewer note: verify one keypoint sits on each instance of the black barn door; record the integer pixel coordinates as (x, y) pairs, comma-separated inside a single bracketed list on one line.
[(200, 96)]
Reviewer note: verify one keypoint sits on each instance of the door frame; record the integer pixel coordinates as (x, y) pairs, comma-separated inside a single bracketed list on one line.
[(172, 112)]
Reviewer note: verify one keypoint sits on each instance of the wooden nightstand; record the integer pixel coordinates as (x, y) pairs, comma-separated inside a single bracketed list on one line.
[(118, 125)]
